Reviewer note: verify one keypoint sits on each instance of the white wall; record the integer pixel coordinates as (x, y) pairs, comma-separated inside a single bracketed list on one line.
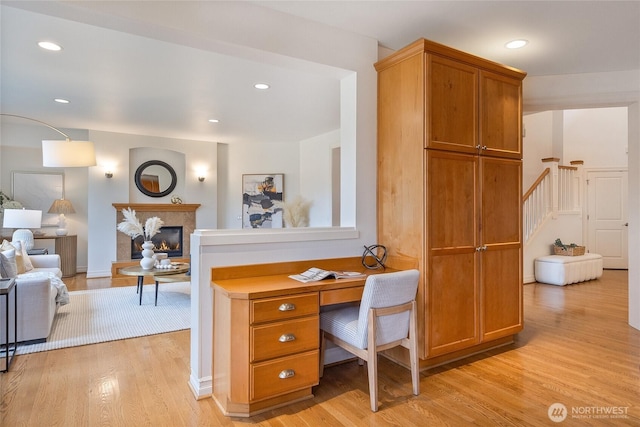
[(599, 136), (316, 171), (112, 152), (602, 90), (237, 159), (634, 215), (21, 147), (297, 39), (536, 145)]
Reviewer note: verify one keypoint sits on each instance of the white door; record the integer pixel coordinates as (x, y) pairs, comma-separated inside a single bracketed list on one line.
[(607, 221)]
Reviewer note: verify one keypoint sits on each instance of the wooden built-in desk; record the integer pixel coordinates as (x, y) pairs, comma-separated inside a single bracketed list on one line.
[(266, 341)]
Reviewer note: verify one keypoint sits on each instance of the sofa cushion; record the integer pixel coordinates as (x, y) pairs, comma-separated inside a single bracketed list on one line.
[(22, 259), (8, 267), (20, 246)]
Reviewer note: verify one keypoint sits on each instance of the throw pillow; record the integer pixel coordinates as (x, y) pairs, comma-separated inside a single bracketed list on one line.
[(21, 247), (8, 267), (18, 254)]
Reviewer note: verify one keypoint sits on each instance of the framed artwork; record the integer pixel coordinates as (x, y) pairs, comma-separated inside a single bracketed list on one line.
[(262, 198), (38, 190)]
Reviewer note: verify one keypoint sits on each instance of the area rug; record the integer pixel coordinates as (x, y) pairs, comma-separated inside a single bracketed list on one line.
[(111, 314)]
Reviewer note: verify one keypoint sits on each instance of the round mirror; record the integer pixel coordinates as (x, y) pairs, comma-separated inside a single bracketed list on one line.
[(155, 178)]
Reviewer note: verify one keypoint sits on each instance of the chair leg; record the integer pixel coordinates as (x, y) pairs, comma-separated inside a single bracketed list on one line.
[(413, 350), (323, 346), (372, 362)]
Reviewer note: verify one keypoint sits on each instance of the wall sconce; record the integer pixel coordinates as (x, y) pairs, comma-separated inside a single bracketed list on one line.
[(201, 178), (108, 174)]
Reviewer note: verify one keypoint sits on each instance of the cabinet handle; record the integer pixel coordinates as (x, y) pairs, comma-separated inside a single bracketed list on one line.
[(484, 147), (287, 338), (478, 249), (478, 147), (484, 248), (287, 373), (287, 307)]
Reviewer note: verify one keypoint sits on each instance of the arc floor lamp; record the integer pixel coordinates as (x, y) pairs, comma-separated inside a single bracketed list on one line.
[(63, 154)]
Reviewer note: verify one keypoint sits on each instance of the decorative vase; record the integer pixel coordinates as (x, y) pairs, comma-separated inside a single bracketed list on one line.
[(147, 262)]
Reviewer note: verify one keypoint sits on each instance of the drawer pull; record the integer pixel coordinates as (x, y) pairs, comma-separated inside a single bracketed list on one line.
[(287, 373), (287, 338), (287, 306)]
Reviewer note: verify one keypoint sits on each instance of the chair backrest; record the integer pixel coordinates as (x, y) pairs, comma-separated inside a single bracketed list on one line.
[(387, 290)]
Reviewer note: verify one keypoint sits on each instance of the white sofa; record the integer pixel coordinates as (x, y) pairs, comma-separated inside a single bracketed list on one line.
[(38, 291)]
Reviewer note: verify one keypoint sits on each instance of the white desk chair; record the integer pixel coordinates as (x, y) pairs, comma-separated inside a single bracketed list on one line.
[(387, 314)]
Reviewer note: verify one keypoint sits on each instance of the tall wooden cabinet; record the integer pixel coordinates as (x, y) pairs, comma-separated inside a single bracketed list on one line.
[(449, 192)]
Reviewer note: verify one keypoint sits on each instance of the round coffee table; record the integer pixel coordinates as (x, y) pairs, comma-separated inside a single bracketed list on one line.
[(136, 270)]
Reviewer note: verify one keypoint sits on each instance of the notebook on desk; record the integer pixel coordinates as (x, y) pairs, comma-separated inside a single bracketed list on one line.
[(315, 274)]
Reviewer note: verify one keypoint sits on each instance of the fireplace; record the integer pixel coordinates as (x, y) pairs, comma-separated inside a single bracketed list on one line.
[(168, 240), (183, 214)]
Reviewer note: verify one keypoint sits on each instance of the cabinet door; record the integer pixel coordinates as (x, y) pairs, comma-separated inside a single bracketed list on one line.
[(451, 283), (501, 254), (500, 115), (452, 105)]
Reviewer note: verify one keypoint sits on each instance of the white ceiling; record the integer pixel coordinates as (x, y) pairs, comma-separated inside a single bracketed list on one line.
[(121, 82)]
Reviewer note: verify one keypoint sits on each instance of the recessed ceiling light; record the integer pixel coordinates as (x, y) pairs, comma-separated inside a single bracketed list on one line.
[(50, 46), (214, 121), (61, 100), (516, 44), (261, 86)]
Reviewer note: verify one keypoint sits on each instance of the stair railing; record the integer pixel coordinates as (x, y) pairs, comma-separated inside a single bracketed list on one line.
[(557, 190)]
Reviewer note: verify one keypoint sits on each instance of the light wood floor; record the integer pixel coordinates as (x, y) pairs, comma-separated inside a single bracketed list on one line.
[(576, 349)]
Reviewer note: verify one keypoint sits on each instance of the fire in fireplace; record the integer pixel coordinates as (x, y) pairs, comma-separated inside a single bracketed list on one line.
[(168, 240)]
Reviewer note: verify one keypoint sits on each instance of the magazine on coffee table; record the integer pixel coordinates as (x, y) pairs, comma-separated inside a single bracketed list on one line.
[(315, 274)]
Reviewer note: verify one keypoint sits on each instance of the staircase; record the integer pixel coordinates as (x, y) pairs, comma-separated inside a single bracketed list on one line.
[(552, 208)]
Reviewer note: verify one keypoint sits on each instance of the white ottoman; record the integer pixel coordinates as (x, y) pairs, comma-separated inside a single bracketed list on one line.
[(563, 270)]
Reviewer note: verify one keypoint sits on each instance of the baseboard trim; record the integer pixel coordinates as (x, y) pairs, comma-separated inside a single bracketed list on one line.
[(201, 388)]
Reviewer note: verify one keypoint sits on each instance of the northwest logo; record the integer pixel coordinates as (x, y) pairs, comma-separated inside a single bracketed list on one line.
[(557, 412)]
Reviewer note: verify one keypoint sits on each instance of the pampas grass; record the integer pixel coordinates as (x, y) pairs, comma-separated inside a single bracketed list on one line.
[(296, 212), (132, 227)]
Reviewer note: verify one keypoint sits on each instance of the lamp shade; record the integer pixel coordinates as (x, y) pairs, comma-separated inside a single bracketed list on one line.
[(22, 218), (61, 206), (68, 154)]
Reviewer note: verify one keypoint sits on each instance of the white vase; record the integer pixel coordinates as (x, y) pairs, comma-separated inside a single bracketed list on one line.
[(147, 262)]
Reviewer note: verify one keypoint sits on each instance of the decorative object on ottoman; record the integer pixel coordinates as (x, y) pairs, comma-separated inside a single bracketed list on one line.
[(560, 248), (564, 270), (132, 227)]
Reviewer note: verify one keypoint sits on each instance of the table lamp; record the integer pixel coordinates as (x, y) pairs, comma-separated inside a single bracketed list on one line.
[(22, 220), (61, 207)]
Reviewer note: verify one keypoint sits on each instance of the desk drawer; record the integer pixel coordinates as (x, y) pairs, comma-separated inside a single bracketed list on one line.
[(339, 296), (280, 308), (275, 377), (284, 338)]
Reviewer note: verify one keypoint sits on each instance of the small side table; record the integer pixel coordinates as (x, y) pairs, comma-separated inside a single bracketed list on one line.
[(136, 270), (6, 286), (170, 278)]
